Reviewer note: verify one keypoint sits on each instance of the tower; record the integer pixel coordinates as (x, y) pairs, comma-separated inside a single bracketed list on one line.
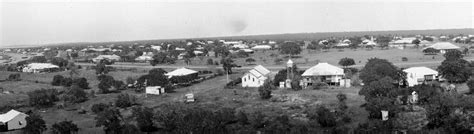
[(289, 73)]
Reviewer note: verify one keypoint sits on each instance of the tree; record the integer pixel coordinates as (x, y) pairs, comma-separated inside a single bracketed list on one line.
[(105, 83), (64, 127), (416, 42), (155, 77), (228, 64), (454, 68), (144, 118), (210, 61), (59, 62), (383, 41), (57, 80), (100, 68), (110, 119), (39, 59), (81, 82), (43, 97), (290, 48), (265, 91), (345, 62), (75, 94), (35, 124), (376, 69), (249, 60), (470, 84), (100, 107), (325, 117), (159, 58), (125, 100)]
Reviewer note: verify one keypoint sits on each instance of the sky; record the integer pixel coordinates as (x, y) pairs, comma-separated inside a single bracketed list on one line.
[(28, 22)]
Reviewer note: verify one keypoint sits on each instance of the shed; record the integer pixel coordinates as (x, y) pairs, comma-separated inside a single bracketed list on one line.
[(13, 120)]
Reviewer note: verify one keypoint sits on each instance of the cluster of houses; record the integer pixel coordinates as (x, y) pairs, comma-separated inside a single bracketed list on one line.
[(331, 75)]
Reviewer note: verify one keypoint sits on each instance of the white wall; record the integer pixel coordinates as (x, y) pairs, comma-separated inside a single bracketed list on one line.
[(18, 122), (249, 80), (412, 81)]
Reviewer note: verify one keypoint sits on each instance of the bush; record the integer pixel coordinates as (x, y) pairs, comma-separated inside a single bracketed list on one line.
[(36, 124), (404, 59), (325, 117), (97, 108), (43, 97), (125, 100), (233, 83), (57, 80), (14, 77), (319, 85)]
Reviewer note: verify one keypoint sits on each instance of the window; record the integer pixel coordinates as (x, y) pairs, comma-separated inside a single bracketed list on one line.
[(253, 79), (244, 79)]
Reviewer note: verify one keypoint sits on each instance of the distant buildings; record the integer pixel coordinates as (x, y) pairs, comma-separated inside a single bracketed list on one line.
[(442, 47), (106, 57)]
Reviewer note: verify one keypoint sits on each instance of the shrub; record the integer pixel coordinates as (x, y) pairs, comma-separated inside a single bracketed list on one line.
[(97, 108), (130, 80), (325, 117), (64, 127), (470, 84), (57, 79), (265, 91), (36, 124), (233, 83), (319, 85), (125, 100)]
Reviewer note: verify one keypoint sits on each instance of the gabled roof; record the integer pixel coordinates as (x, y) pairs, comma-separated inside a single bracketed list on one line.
[(420, 70), (443, 45), (259, 71), (9, 115), (323, 69), (180, 72)]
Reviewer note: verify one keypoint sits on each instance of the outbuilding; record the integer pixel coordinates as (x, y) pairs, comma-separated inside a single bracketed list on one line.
[(182, 75)]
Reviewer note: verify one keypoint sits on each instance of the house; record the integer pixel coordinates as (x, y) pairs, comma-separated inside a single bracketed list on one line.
[(108, 57), (182, 76), (13, 120), (443, 47), (143, 58), (40, 67), (418, 75), (323, 72), (367, 42), (261, 47), (255, 77)]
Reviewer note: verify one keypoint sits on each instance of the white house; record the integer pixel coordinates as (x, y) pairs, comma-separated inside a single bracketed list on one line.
[(13, 120), (443, 47), (255, 77), (143, 58), (418, 75), (261, 47), (181, 72), (109, 57), (323, 72), (40, 67)]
